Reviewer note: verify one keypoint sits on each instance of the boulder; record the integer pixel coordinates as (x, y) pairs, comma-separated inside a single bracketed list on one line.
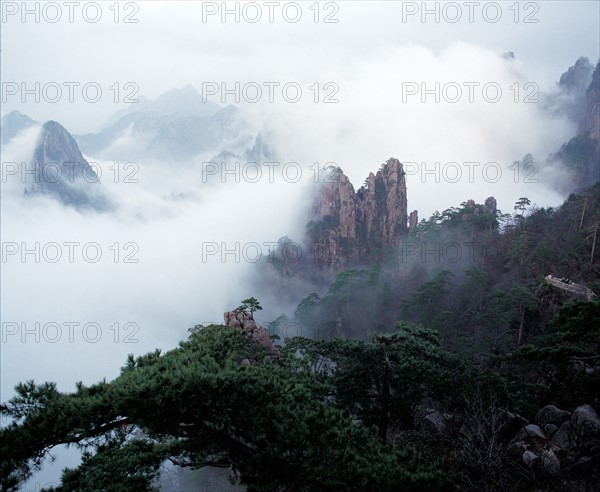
[(530, 458), (232, 320), (550, 429), (585, 465), (542, 461), (549, 463), (551, 415), (530, 431), (245, 321), (586, 430), (511, 423), (434, 422), (564, 439)]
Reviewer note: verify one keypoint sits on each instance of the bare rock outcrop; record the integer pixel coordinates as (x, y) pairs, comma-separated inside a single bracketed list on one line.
[(488, 207), (574, 446), (245, 321), (590, 119), (346, 226), (552, 415), (581, 154), (62, 172), (586, 429)]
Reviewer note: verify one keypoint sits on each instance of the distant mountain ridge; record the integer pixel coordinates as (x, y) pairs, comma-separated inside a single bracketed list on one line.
[(184, 102), (178, 125), (14, 123)]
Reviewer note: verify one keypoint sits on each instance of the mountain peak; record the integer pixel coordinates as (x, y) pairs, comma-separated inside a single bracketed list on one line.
[(578, 76), (186, 101), (590, 119), (62, 172), (14, 123), (347, 227), (581, 154)]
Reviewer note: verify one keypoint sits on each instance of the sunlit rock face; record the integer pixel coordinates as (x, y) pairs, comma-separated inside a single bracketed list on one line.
[(347, 227), (245, 321)]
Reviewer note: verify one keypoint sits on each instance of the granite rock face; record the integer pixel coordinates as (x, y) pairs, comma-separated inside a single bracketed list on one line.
[(581, 154), (586, 429), (245, 321), (573, 85), (578, 76), (61, 171), (590, 118), (347, 227), (488, 207)]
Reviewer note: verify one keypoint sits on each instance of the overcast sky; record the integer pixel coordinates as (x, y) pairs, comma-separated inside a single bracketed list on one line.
[(359, 54), (367, 64), (185, 42)]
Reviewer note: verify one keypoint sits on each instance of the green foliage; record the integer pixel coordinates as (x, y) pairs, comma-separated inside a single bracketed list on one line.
[(116, 466), (565, 358), (425, 305), (318, 230), (518, 249), (522, 204), (306, 307), (249, 305), (380, 382), (199, 405), (340, 413)]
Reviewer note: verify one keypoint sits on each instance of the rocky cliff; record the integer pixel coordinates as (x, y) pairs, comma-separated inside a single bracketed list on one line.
[(573, 84), (245, 321), (581, 154), (590, 119), (578, 76), (62, 172), (347, 227)]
